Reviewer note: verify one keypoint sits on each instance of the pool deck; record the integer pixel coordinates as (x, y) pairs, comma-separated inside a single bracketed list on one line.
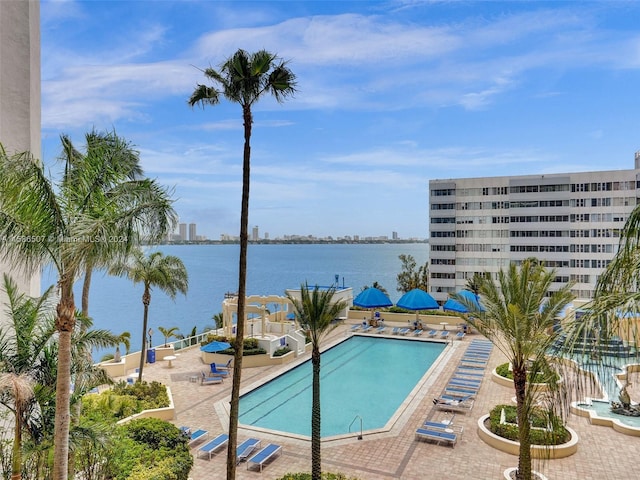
[(602, 453)]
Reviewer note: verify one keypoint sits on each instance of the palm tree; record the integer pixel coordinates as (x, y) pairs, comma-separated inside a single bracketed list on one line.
[(315, 311), (20, 389), (40, 224), (168, 273), (109, 175), (243, 79), (518, 319), (28, 352), (167, 333)]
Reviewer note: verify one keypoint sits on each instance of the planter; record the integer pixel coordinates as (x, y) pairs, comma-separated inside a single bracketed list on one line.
[(507, 382), (510, 474), (537, 451)]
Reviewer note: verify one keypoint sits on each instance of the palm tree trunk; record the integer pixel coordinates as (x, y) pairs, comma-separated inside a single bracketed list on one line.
[(16, 460), (86, 286), (242, 287), (146, 300), (65, 322), (524, 428), (316, 459)]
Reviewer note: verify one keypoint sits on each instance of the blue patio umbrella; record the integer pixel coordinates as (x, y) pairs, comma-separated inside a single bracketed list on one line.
[(372, 298), (215, 346), (417, 299), (452, 305)]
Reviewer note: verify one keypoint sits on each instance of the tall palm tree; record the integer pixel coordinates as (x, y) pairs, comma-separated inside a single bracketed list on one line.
[(40, 225), (244, 78), (520, 311), (315, 311), (108, 175), (167, 273)]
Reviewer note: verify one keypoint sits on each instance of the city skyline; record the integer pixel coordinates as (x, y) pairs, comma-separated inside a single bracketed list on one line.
[(390, 95)]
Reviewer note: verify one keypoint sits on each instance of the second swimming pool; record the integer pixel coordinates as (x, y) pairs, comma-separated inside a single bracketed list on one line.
[(364, 375)]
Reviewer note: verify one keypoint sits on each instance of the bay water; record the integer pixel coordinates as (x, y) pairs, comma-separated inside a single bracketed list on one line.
[(115, 303)]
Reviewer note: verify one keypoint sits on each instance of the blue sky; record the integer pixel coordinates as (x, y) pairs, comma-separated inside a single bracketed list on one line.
[(390, 95)]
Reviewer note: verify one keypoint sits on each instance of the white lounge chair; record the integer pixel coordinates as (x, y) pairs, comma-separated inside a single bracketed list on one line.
[(264, 456), (212, 446)]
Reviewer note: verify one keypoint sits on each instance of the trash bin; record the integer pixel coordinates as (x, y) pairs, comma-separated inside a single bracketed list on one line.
[(151, 355)]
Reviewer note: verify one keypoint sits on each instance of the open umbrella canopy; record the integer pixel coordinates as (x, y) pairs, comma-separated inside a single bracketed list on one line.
[(215, 346), (456, 306), (417, 299), (372, 298), (452, 305)]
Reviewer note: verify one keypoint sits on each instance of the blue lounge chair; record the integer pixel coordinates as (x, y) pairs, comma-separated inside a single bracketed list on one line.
[(224, 366), (380, 329), (436, 425), (433, 333), (444, 334), (264, 455), (246, 448), (367, 328), (453, 404), (210, 379), (198, 435), (404, 331), (215, 371), (211, 446), (395, 331), (437, 435), (355, 327), (460, 335), (418, 332)]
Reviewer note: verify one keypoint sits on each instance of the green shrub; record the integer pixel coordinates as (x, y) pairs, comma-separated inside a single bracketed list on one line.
[(124, 400), (307, 476), (281, 351), (151, 449), (540, 377), (539, 435)]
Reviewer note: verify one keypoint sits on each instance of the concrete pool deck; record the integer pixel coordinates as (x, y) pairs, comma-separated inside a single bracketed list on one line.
[(602, 453)]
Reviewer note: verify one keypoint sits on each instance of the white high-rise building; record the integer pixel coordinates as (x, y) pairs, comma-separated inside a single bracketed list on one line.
[(182, 229), (192, 232), (571, 221), (20, 98)]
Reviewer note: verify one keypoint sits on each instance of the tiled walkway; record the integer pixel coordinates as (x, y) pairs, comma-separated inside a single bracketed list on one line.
[(602, 454)]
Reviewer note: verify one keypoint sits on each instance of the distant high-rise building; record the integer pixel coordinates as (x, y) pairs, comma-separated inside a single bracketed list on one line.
[(192, 232), (254, 234), (266, 235), (183, 231), (394, 235)]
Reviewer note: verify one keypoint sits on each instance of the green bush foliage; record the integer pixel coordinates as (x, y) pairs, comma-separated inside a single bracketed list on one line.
[(540, 377), (151, 449), (281, 351), (539, 434), (307, 476), (124, 400)]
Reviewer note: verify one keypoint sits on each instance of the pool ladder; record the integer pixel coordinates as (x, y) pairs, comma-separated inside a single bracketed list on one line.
[(352, 422)]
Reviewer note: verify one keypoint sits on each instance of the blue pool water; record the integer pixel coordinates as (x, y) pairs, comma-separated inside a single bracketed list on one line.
[(365, 376)]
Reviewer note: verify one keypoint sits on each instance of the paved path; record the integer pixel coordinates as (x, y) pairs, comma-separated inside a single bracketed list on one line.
[(603, 454)]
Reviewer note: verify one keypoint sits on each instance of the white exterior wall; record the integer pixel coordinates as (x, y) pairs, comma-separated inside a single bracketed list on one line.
[(20, 97), (572, 221)]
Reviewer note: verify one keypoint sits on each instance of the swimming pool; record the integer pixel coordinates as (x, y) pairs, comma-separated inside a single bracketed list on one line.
[(363, 376)]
